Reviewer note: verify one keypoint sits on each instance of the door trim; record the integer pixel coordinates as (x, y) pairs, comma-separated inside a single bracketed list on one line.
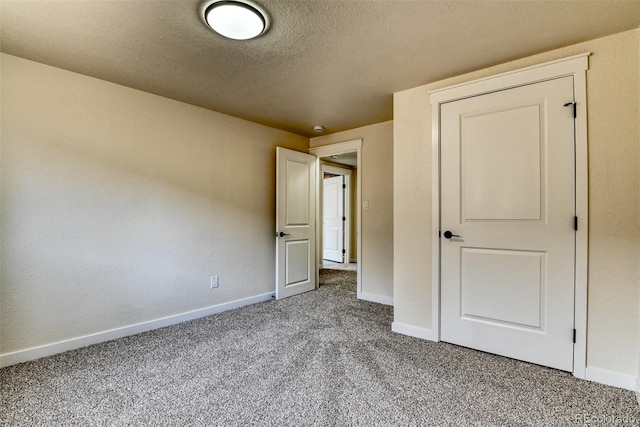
[(577, 67), (336, 149)]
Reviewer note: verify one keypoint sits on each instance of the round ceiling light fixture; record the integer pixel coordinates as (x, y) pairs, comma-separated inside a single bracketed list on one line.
[(235, 19)]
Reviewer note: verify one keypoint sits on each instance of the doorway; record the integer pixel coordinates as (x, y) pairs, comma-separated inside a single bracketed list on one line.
[(342, 159), (337, 207)]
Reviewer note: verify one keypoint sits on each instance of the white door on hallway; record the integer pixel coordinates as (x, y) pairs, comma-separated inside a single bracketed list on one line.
[(295, 222), (333, 219), (508, 197)]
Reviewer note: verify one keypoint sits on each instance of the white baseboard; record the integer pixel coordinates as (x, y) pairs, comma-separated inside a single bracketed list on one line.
[(380, 299), (413, 331), (20, 356), (615, 379)]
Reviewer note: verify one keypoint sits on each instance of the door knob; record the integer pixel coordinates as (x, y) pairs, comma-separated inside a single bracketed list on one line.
[(448, 235), (281, 234)]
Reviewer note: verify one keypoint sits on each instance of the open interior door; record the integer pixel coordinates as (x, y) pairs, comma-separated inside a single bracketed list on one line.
[(295, 222), (333, 219)]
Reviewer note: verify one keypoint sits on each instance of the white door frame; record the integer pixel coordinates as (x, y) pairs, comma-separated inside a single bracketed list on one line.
[(346, 244), (575, 66), (334, 150)]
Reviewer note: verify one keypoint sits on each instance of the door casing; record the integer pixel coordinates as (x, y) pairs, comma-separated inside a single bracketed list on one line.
[(575, 66)]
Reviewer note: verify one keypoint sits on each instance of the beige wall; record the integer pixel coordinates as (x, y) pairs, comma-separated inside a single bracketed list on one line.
[(118, 206), (613, 87), (377, 188)]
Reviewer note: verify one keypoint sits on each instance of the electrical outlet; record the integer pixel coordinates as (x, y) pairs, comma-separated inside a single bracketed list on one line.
[(214, 282)]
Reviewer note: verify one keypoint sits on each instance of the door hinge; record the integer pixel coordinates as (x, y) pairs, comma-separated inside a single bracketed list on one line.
[(574, 336), (344, 251), (575, 108), (344, 185), (344, 218), (575, 223)]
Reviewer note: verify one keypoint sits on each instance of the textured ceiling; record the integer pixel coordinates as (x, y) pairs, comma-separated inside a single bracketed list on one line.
[(330, 62)]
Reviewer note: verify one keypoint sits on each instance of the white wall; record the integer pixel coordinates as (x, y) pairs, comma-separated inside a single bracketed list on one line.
[(377, 188), (118, 206), (613, 89)]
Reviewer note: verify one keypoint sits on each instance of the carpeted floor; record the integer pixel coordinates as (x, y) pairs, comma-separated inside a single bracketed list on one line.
[(322, 358), (326, 264)]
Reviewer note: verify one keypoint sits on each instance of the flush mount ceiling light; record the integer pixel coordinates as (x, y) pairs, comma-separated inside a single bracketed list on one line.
[(234, 19)]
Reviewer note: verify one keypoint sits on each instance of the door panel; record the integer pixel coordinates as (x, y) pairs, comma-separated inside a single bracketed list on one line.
[(487, 195), (507, 191), (297, 193), (295, 220), (297, 266), (333, 214), (490, 276)]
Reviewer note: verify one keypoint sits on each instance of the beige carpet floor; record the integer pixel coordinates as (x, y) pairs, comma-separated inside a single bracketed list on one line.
[(323, 358)]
